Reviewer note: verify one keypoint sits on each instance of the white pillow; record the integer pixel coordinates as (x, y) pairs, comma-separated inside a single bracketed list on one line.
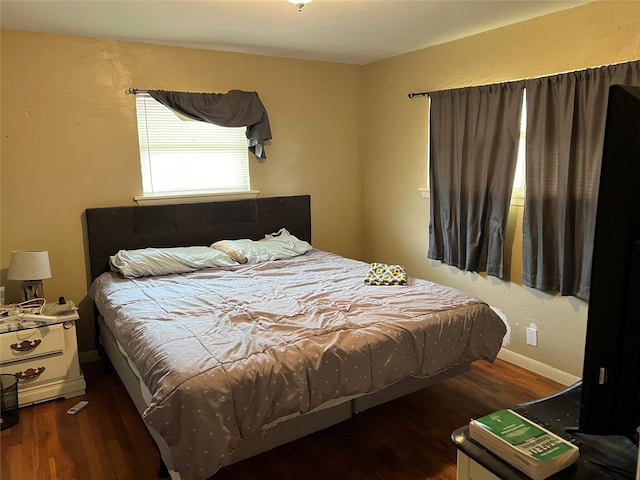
[(164, 261), (274, 246), (231, 248)]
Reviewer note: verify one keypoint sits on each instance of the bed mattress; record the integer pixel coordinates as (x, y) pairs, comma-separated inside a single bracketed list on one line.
[(226, 351)]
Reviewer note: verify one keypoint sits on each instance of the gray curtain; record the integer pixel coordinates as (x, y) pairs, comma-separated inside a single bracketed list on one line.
[(235, 108), (565, 134), (473, 153)]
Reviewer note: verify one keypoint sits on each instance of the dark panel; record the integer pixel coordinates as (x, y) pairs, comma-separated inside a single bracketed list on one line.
[(125, 228), (611, 381), (285, 212)]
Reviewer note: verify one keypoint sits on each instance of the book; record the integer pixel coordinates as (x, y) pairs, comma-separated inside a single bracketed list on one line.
[(525, 445)]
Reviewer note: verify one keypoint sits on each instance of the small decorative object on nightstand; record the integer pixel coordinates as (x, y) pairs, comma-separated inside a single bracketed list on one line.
[(38, 345)]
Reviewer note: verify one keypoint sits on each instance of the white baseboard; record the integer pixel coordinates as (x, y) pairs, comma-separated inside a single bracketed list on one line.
[(89, 356), (540, 368)]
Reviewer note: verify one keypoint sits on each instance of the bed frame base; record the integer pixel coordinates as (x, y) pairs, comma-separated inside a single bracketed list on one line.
[(163, 471), (404, 387)]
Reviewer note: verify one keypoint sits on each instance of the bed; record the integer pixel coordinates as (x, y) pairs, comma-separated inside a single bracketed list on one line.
[(226, 362)]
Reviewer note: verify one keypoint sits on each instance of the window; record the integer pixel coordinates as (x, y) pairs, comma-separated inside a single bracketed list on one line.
[(519, 180), (183, 156), (473, 163)]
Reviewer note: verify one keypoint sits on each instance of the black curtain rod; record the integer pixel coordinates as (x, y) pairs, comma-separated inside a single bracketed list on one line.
[(426, 94), (134, 91), (418, 94)]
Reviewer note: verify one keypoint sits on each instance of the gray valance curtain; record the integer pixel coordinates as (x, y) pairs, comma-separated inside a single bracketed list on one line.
[(474, 134), (565, 134), (235, 108)]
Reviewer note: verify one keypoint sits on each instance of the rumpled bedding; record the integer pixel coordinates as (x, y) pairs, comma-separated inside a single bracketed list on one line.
[(225, 351), (274, 246)]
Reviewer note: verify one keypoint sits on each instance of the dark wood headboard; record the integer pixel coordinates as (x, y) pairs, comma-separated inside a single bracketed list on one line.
[(126, 228)]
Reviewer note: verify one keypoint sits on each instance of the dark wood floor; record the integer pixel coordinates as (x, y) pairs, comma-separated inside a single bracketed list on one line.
[(406, 439)]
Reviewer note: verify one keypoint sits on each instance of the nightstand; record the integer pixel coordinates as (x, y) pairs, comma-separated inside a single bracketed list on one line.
[(43, 355), (601, 456)]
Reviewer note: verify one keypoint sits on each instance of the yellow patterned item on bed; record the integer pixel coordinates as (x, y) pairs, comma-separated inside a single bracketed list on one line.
[(383, 274)]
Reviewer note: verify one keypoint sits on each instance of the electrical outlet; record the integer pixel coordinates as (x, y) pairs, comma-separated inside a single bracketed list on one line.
[(532, 335)]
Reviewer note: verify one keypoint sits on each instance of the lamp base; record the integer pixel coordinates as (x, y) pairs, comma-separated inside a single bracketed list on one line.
[(32, 289)]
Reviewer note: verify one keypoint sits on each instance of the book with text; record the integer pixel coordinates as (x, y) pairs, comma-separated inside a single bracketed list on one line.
[(524, 444)]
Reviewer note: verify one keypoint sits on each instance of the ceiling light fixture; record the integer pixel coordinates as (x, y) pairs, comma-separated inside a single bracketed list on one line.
[(299, 4)]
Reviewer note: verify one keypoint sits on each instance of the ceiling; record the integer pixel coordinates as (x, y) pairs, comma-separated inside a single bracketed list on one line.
[(357, 32)]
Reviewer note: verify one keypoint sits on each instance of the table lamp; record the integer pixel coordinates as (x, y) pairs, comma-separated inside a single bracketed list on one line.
[(31, 267)]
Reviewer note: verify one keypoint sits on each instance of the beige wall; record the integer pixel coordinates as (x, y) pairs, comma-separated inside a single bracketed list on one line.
[(69, 141), (394, 146), (342, 133)]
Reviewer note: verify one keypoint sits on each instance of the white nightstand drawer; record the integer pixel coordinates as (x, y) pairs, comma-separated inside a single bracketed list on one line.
[(44, 355), (34, 342), (36, 370)]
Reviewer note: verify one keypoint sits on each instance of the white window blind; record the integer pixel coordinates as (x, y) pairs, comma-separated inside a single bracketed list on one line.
[(183, 156)]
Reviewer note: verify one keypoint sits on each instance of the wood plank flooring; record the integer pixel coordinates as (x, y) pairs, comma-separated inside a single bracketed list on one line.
[(407, 439)]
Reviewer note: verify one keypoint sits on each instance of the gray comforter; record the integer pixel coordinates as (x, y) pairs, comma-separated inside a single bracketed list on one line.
[(229, 350)]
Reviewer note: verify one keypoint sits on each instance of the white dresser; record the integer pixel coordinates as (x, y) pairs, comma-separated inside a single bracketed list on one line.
[(43, 356)]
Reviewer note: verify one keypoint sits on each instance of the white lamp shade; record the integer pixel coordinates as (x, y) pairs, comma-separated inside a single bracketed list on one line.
[(29, 265)]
